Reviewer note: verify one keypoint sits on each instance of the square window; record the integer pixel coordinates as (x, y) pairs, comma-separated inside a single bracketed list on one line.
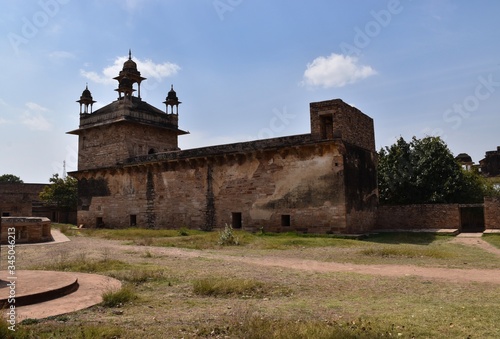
[(285, 220)]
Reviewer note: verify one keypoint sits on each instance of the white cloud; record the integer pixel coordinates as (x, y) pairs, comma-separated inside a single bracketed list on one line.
[(336, 70), (34, 119), (147, 67), (35, 107)]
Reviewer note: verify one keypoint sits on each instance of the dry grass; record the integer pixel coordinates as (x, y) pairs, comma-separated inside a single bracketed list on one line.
[(197, 296)]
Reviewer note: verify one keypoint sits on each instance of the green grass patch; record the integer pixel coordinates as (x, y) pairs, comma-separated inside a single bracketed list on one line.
[(119, 297), (493, 239), (407, 251), (222, 287), (414, 238), (135, 233)]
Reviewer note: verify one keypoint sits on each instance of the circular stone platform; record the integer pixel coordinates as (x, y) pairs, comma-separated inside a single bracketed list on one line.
[(49, 293)]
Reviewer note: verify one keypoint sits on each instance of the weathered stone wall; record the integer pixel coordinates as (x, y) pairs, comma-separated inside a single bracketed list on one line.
[(492, 213), (360, 172), (27, 229), (425, 216), (17, 199), (304, 183), (112, 144)]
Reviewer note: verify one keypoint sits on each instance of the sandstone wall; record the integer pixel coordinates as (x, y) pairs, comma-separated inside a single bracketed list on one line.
[(425, 216), (492, 213), (300, 186), (17, 199), (112, 144), (27, 229)]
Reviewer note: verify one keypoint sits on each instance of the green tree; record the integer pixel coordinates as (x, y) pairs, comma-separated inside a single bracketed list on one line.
[(425, 171), (61, 193), (11, 178)]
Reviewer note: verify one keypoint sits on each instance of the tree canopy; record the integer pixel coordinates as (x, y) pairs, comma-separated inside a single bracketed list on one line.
[(11, 178), (425, 171), (61, 193)]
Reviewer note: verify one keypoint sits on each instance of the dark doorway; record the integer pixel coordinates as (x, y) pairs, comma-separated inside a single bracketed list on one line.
[(236, 221), (471, 219), (133, 220), (285, 220)]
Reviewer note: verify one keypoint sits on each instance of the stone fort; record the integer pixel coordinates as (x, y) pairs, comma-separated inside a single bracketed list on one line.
[(131, 171)]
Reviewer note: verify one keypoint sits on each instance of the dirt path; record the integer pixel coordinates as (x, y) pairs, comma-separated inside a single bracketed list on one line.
[(474, 239), (87, 245), (472, 275)]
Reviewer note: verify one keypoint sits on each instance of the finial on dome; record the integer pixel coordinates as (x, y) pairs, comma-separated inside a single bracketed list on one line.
[(129, 54)]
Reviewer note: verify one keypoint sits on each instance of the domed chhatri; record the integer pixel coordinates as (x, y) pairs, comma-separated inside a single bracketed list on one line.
[(86, 101), (130, 64), (129, 71), (172, 101)]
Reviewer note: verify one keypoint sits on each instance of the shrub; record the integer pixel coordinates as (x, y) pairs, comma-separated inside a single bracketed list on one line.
[(183, 231), (227, 237)]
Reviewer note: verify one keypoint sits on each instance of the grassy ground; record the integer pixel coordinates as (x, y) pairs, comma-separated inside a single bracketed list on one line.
[(165, 296)]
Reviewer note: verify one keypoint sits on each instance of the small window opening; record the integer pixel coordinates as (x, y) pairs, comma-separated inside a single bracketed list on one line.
[(99, 223), (236, 220), (151, 151), (5, 214), (133, 220), (285, 220), (326, 127)]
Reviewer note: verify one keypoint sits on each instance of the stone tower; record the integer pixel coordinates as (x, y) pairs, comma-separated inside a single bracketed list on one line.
[(126, 128)]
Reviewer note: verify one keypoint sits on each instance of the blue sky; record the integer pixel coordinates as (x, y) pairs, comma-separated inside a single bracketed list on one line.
[(248, 69)]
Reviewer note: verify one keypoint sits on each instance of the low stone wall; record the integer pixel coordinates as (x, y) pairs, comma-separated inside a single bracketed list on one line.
[(492, 213), (27, 229), (416, 217)]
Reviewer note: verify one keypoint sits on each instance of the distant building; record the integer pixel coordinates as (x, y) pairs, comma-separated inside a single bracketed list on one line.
[(131, 171), (465, 161), (22, 200), (19, 199), (490, 165)]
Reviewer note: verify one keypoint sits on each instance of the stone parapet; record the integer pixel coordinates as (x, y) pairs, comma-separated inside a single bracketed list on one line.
[(27, 229)]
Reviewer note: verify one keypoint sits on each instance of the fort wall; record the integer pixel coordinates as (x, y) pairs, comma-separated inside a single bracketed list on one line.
[(492, 213), (416, 217), (297, 188)]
